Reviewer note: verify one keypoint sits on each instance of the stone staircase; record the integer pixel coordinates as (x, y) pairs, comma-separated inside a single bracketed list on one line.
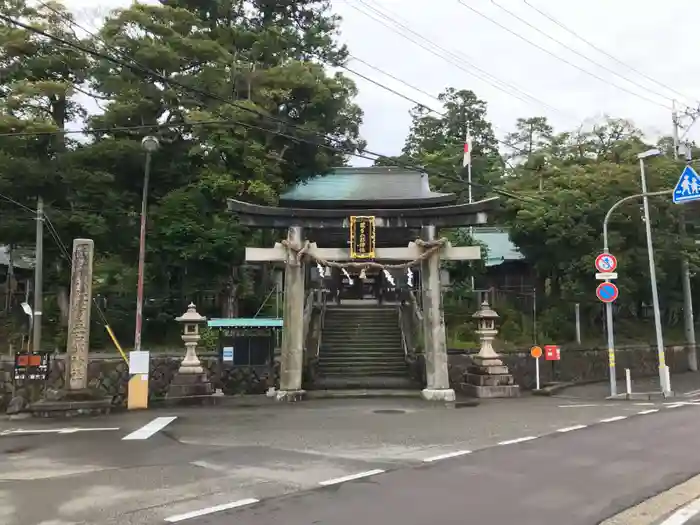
[(361, 348)]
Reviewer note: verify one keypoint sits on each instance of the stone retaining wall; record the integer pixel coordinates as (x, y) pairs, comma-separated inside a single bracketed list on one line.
[(110, 374), (579, 365)]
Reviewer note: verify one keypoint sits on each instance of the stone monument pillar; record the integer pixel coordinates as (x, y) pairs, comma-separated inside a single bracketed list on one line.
[(488, 376), (437, 378), (292, 354), (76, 398), (79, 316), (191, 380)]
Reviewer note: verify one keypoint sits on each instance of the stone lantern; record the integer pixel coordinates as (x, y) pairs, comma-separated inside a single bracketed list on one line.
[(191, 380), (486, 329), (488, 376), (190, 335)]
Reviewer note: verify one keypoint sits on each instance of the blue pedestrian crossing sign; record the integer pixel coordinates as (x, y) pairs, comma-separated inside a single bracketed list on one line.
[(688, 187)]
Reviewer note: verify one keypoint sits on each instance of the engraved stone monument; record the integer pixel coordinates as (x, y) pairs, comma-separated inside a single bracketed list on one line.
[(76, 398), (79, 315)]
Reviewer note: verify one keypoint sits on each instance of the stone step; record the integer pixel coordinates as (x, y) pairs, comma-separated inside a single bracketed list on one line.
[(362, 336), (366, 382), (364, 368), (362, 359), (357, 340), (347, 318), (369, 353), (353, 324), (367, 348)]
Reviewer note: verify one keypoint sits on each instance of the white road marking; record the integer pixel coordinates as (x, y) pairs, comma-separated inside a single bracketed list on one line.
[(351, 477), (151, 428), (211, 510), (577, 406), (676, 405), (684, 514), (211, 466), (447, 456), (569, 429), (651, 411), (644, 404), (612, 419), (55, 430), (518, 440), (692, 393)]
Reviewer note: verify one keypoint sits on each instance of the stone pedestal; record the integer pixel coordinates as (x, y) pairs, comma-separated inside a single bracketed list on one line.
[(489, 378), (189, 385)]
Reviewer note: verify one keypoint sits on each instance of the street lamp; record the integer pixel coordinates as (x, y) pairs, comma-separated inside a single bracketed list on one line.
[(150, 144), (664, 377)]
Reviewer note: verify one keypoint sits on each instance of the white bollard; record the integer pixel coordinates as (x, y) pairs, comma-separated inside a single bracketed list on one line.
[(667, 376), (628, 380)]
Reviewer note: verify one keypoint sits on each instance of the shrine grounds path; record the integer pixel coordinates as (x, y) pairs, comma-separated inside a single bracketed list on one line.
[(589, 460)]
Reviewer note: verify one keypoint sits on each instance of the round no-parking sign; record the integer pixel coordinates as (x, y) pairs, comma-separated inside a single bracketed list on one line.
[(607, 292)]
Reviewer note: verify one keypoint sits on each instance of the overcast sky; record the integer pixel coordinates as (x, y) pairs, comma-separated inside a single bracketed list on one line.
[(516, 78)]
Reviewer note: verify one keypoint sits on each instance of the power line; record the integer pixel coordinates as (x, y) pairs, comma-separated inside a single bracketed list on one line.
[(585, 57), (166, 80), (545, 50), (116, 129), (335, 149), (449, 56), (602, 51)]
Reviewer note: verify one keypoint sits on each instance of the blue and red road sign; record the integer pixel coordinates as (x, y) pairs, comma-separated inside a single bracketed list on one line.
[(607, 292)]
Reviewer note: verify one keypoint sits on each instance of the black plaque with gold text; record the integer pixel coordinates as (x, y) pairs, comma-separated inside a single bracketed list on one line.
[(362, 237)]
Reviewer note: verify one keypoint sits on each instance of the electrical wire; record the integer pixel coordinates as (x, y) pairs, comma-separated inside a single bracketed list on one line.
[(578, 53), (561, 59), (161, 78), (457, 60), (365, 155), (602, 51)]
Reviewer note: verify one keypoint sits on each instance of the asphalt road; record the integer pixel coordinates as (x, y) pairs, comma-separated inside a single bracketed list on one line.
[(206, 458), (579, 478)]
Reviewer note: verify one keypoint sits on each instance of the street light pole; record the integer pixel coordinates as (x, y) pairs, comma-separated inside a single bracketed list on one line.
[(608, 306), (150, 144), (664, 378)]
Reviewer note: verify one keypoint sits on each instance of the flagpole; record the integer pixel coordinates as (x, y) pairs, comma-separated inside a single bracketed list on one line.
[(469, 182), (469, 167)]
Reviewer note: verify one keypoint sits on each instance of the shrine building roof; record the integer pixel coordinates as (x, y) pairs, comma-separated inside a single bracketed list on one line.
[(366, 187)]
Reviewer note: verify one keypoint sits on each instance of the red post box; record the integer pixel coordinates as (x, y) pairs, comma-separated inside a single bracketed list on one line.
[(552, 353)]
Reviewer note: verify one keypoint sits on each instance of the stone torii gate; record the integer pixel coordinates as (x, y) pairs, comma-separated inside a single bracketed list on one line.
[(427, 253)]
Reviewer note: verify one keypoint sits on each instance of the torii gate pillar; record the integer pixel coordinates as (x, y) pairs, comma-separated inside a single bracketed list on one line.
[(292, 354), (437, 386)]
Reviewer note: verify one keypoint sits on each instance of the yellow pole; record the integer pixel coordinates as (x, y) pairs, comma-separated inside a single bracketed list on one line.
[(116, 343)]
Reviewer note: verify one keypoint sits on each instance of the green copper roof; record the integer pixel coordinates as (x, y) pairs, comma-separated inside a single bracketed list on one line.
[(377, 186), (499, 247)]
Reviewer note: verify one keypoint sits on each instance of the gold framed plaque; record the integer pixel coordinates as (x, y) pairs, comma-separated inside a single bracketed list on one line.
[(363, 237)]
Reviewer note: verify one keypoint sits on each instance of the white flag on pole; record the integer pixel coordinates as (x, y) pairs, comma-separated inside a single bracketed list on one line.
[(467, 151)]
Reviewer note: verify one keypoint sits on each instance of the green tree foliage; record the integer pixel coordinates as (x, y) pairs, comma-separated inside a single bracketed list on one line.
[(437, 141), (236, 93)]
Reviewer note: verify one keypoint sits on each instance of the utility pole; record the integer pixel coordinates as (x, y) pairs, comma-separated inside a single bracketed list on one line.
[(38, 275), (688, 318)]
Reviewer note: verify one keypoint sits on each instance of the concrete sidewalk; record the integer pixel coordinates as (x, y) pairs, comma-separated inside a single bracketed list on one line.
[(685, 385)]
